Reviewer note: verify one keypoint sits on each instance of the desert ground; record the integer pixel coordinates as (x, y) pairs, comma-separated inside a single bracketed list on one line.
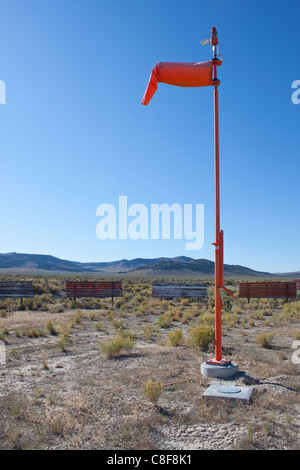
[(127, 377)]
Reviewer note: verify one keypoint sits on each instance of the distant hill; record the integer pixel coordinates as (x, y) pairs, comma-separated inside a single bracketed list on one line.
[(19, 262), (180, 266), (196, 268)]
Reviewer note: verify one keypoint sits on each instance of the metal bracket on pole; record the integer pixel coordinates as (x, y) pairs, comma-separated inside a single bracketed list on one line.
[(228, 291)]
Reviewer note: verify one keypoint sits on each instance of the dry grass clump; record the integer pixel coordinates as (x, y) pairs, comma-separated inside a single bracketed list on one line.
[(297, 335), (56, 308), (64, 340), (113, 347), (77, 318), (201, 336), (3, 312), (116, 322), (290, 311), (265, 340), (207, 318), (149, 331), (32, 332), (152, 390), (51, 328), (176, 337), (230, 319), (99, 326), (165, 320)]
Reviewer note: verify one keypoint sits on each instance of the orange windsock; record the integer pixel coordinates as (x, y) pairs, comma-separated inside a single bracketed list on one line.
[(179, 74)]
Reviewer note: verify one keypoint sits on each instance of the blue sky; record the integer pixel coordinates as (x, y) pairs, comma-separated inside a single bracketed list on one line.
[(74, 134)]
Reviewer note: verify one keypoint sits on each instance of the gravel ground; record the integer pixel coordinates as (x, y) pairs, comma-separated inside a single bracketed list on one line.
[(75, 397)]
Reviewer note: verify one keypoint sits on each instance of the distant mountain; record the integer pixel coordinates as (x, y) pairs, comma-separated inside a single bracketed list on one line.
[(19, 262), (199, 267), (180, 266), (123, 265)]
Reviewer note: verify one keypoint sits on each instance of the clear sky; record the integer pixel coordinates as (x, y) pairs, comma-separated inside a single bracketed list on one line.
[(73, 134)]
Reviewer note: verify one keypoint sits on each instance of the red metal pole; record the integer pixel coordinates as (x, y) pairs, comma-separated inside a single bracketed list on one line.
[(219, 266), (218, 244), (231, 368)]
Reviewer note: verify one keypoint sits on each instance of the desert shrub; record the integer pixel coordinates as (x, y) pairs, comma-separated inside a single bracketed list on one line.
[(77, 319), (117, 323), (230, 319), (139, 298), (113, 347), (175, 337), (15, 354), (45, 362), (165, 320), (201, 336), (63, 341), (148, 292), (71, 304), (123, 308), (50, 328), (99, 326), (38, 287), (56, 308), (186, 317), (10, 304), (149, 331), (31, 333), (93, 316), (127, 334), (38, 302), (2, 335), (164, 304), (207, 318), (297, 335), (254, 304), (237, 309), (120, 302), (290, 310), (46, 298), (54, 287), (139, 311), (152, 391), (257, 315), (267, 311), (264, 340), (3, 312)]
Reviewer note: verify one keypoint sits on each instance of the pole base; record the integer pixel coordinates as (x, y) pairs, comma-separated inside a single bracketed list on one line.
[(222, 362), (219, 369)]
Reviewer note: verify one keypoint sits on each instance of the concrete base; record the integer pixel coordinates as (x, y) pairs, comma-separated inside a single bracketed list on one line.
[(229, 392), (219, 371)]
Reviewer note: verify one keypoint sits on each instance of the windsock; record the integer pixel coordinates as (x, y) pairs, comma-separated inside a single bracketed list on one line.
[(183, 74)]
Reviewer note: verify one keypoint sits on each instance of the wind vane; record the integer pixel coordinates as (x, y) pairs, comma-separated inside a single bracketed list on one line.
[(200, 74)]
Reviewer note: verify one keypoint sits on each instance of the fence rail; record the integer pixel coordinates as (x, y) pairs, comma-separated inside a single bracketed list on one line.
[(168, 290), (250, 290)]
